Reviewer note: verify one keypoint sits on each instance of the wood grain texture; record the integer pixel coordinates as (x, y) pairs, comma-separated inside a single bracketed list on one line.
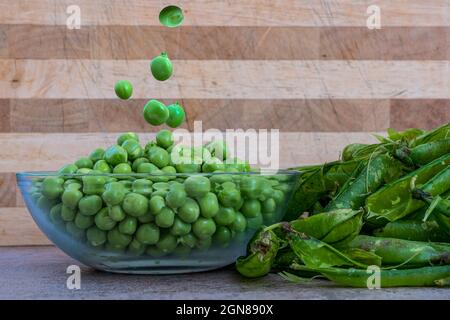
[(425, 114), (223, 79), (230, 13), (7, 189), (5, 113), (18, 228), (101, 115), (224, 43), (52, 150)]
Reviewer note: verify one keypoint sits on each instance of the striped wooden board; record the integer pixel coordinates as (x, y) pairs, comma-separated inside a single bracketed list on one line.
[(311, 69)]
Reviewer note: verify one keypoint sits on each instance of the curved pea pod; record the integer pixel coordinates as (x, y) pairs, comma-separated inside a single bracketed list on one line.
[(378, 171), (418, 277), (394, 201), (413, 230), (262, 251), (331, 227), (349, 150), (399, 251), (363, 256), (425, 153), (442, 132)]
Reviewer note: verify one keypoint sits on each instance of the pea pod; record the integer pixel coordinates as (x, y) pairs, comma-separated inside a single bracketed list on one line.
[(378, 171), (262, 251), (443, 282), (425, 153), (352, 277), (442, 132), (413, 230), (394, 201), (398, 251)]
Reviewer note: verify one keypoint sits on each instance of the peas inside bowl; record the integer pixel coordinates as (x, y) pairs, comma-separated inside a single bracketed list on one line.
[(154, 223)]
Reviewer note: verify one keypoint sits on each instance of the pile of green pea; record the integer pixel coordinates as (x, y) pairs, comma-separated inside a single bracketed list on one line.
[(161, 198)]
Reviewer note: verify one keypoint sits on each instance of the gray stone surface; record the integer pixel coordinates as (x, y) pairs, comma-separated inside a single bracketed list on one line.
[(40, 273)]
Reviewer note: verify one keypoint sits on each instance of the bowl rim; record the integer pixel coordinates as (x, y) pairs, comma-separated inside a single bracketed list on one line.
[(262, 172)]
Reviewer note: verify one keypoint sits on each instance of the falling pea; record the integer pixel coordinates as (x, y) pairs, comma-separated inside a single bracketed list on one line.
[(171, 16), (123, 89)]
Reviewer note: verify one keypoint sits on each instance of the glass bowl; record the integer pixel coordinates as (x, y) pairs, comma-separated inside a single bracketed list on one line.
[(155, 223)]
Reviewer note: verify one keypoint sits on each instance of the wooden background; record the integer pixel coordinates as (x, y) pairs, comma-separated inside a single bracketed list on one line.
[(307, 67)]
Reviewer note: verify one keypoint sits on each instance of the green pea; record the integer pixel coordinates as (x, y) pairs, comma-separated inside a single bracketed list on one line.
[(240, 223), (146, 218), (135, 204), (256, 222), (67, 213), (229, 197), (114, 193), (55, 214), (128, 225), (95, 236), (161, 186), (189, 211), (126, 184), (68, 169), (197, 186), (204, 244), (148, 233), (115, 155), (133, 149), (123, 89), (155, 112), (72, 184), (158, 156), (93, 184), (126, 136), (103, 221), (169, 170), (83, 222), (71, 197), (251, 208), (36, 196), (209, 205), (97, 155), (136, 248), (84, 162), (116, 213), (46, 204), (251, 187), (156, 203), (229, 185), (52, 187), (269, 205), (204, 228), (176, 115), (74, 231), (180, 227), (212, 165), (225, 216), (220, 178), (188, 240), (164, 138), (82, 172), (118, 240), (188, 166), (218, 149), (222, 236), (137, 162), (161, 67), (102, 166), (90, 205), (171, 16), (165, 218), (167, 243), (122, 168), (147, 168), (161, 193), (278, 196), (155, 252), (176, 196), (142, 186)]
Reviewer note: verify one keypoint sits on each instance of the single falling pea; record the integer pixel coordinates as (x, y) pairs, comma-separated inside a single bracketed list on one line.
[(155, 112), (176, 115), (123, 89), (161, 67), (171, 16)]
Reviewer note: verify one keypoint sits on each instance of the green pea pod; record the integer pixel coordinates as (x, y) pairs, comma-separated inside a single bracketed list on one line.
[(418, 277), (442, 132), (444, 282), (262, 251), (406, 135), (330, 227), (378, 171), (284, 258), (439, 207), (394, 201), (425, 153), (398, 251), (363, 256), (351, 149), (413, 230)]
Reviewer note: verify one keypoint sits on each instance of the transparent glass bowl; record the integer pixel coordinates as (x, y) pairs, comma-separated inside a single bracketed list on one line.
[(265, 194)]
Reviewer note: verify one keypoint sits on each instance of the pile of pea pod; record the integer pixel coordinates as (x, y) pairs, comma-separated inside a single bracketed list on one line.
[(140, 201), (385, 204)]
